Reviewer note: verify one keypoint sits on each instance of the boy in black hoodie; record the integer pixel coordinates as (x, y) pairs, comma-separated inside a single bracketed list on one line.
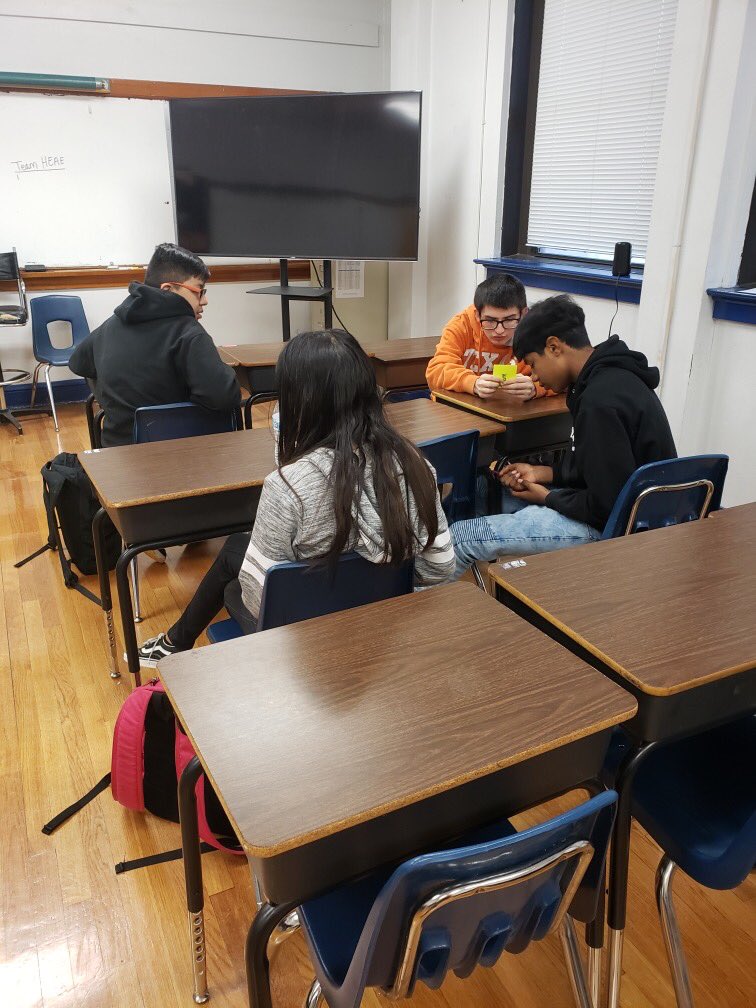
[(153, 351), (619, 425)]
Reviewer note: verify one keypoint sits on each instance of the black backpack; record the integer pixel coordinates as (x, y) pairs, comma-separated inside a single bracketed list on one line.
[(71, 504)]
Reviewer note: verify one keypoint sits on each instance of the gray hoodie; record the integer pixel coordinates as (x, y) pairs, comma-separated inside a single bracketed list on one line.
[(296, 522)]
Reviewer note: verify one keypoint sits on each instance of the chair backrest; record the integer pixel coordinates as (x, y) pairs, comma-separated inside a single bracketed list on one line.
[(462, 907), (56, 308), (668, 493), (9, 271), (454, 458), (180, 420), (299, 591), (404, 395)]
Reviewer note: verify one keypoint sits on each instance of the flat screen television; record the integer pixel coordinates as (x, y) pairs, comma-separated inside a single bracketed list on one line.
[(330, 176)]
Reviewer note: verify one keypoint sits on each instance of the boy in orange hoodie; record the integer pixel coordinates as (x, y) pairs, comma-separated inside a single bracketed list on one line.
[(479, 337)]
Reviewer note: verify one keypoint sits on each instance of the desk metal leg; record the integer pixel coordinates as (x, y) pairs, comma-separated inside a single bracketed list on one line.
[(619, 862), (594, 939), (266, 921), (89, 412), (195, 899), (127, 611), (107, 602)]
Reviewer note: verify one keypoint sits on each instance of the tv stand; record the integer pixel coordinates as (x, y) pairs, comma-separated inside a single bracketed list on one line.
[(300, 292)]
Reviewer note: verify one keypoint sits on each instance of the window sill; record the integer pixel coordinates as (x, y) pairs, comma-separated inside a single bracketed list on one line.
[(572, 277), (733, 304)]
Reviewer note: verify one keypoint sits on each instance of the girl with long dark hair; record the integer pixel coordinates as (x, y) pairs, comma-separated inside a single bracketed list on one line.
[(345, 480)]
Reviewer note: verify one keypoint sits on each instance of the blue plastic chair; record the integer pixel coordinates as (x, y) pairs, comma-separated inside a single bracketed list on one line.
[(45, 310), (668, 493), (180, 420), (405, 395), (490, 891), (299, 591), (166, 423), (454, 458), (697, 799)]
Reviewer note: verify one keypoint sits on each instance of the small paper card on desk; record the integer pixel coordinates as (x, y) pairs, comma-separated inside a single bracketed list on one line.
[(505, 371)]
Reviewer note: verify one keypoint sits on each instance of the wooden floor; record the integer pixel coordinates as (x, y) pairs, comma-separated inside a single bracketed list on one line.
[(72, 933)]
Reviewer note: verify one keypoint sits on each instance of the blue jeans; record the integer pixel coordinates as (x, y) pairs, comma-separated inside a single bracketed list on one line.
[(523, 530)]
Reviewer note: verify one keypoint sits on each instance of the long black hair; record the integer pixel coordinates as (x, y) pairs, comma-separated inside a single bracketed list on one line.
[(328, 398)]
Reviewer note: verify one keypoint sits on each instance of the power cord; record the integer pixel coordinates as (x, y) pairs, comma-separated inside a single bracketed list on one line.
[(616, 308), (320, 284)]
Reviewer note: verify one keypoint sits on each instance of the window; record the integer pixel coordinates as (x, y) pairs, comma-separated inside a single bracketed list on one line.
[(590, 141)]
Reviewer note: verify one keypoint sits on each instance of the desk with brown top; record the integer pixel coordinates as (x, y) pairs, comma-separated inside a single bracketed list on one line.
[(668, 615), (397, 363), (539, 425), (402, 741), (255, 365), (401, 363), (168, 493)]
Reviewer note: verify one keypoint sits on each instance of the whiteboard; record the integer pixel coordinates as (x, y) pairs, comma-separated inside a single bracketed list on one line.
[(84, 181)]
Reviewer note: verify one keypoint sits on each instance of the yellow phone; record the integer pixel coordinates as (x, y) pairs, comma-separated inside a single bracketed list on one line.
[(505, 371)]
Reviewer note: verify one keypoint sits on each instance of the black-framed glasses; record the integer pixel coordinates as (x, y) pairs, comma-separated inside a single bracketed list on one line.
[(491, 325)]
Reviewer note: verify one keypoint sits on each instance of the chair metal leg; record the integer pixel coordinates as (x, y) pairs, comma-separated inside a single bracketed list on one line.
[(35, 379), (478, 578), (288, 926), (50, 393), (314, 997), (134, 573), (671, 932), (574, 964)]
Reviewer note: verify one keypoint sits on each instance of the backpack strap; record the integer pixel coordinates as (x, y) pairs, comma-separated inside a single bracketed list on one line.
[(66, 814), (153, 859), (185, 752)]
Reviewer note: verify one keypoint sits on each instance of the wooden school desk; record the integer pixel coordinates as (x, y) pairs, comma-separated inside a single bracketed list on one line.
[(397, 363), (667, 614), (168, 493), (255, 365), (358, 739), (401, 363), (543, 424)]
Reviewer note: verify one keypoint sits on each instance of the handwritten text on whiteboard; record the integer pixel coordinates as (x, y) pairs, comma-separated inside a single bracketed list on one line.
[(47, 162)]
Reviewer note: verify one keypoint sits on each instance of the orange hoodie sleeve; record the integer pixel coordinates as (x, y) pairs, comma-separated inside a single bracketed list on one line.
[(446, 369)]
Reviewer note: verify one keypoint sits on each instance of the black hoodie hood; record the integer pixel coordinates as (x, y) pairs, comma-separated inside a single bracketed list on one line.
[(146, 304), (615, 353)]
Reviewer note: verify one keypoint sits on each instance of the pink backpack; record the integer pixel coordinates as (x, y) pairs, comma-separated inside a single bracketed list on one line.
[(150, 751)]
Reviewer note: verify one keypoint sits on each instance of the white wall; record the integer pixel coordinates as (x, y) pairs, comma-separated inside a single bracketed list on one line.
[(319, 45), (458, 52)]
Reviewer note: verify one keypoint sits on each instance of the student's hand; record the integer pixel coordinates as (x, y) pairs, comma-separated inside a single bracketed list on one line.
[(517, 474), (486, 386), (521, 388), (533, 493)]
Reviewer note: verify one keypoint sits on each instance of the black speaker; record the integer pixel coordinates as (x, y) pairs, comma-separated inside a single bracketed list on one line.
[(621, 262)]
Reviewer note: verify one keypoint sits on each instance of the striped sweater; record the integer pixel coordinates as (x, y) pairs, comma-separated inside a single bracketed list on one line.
[(296, 522)]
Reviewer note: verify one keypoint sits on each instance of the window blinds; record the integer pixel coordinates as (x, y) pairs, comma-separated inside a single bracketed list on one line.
[(601, 98)]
